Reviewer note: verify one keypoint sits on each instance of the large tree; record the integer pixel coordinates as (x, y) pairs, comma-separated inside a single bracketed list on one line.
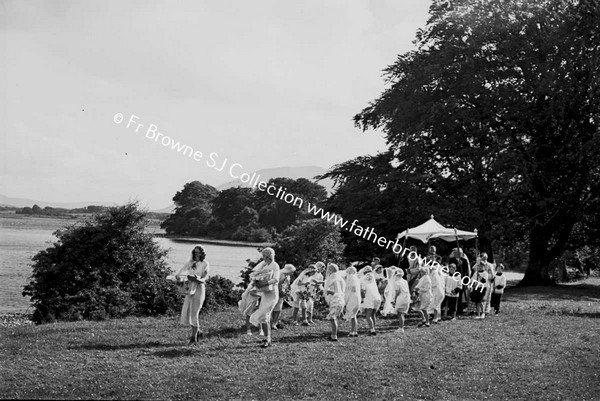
[(193, 210), (277, 214), (496, 113)]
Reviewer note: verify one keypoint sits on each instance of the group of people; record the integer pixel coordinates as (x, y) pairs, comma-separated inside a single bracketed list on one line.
[(349, 292)]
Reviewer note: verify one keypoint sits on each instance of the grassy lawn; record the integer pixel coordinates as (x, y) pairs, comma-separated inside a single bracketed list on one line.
[(544, 345)]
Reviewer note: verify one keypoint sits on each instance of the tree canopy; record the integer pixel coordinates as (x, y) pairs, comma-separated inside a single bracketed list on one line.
[(193, 209), (493, 120)]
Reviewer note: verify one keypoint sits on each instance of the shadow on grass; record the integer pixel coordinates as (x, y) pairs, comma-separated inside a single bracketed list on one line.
[(119, 347), (175, 353), (572, 292), (304, 338), (225, 332), (590, 315)]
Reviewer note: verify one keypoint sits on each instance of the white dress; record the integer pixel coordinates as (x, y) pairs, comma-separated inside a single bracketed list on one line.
[(437, 290), (372, 298), (336, 300), (425, 295), (389, 295), (195, 292), (268, 296), (299, 285), (352, 296), (403, 299)]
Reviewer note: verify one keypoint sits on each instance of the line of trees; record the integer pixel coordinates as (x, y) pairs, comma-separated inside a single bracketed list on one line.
[(57, 211)]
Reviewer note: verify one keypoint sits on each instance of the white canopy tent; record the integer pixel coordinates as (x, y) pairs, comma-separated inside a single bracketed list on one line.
[(431, 229)]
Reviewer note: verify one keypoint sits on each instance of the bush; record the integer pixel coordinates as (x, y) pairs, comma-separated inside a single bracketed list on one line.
[(103, 268), (308, 242), (245, 273), (220, 292)]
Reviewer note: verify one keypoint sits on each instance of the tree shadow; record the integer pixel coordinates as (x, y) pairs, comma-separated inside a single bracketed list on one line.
[(175, 353), (589, 315), (120, 347), (574, 292)]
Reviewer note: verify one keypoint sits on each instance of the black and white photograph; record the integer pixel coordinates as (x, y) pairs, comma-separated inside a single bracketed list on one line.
[(300, 200)]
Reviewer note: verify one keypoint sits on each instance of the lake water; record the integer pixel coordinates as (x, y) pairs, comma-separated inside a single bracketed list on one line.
[(22, 238)]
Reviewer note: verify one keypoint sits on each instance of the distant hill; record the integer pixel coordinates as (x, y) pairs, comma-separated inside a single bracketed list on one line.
[(308, 172), (23, 202), (168, 209)]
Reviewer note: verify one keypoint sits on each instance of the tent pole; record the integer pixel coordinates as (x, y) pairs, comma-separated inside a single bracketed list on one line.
[(403, 246)]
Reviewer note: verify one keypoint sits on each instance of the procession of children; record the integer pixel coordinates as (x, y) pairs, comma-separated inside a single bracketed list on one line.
[(434, 294), (372, 290)]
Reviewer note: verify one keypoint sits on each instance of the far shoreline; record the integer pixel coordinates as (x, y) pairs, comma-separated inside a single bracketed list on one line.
[(220, 242)]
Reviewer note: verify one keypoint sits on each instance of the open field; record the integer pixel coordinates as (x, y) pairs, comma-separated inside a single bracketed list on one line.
[(545, 344)]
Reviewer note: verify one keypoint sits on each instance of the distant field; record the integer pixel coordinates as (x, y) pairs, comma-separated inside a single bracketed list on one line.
[(545, 345)]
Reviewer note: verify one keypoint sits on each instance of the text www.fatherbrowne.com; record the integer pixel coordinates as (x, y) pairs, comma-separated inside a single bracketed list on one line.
[(236, 171)]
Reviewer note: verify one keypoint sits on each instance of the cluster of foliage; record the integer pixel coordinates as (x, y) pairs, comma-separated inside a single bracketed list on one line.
[(240, 213), (193, 210), (493, 122), (308, 242), (220, 292), (106, 267)]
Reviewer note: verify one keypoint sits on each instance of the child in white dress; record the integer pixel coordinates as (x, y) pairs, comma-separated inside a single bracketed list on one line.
[(423, 289), (334, 295), (352, 299), (403, 299), (372, 299)]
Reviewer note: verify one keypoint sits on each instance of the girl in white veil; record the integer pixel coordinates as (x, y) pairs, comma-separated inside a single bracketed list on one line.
[(403, 299), (423, 288), (372, 300), (352, 299), (334, 295), (389, 294)]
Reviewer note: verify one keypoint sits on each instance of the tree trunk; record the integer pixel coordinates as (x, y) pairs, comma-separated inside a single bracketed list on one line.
[(537, 272)]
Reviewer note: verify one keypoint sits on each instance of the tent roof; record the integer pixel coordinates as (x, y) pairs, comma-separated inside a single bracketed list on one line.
[(432, 229)]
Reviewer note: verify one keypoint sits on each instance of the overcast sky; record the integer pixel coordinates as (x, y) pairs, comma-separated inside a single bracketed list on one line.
[(262, 83)]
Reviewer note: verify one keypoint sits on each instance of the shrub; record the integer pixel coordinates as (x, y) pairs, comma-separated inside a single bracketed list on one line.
[(220, 292), (308, 242), (245, 273), (106, 267)]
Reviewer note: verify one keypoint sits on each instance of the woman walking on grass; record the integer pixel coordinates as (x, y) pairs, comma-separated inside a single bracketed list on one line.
[(266, 277), (193, 276)]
